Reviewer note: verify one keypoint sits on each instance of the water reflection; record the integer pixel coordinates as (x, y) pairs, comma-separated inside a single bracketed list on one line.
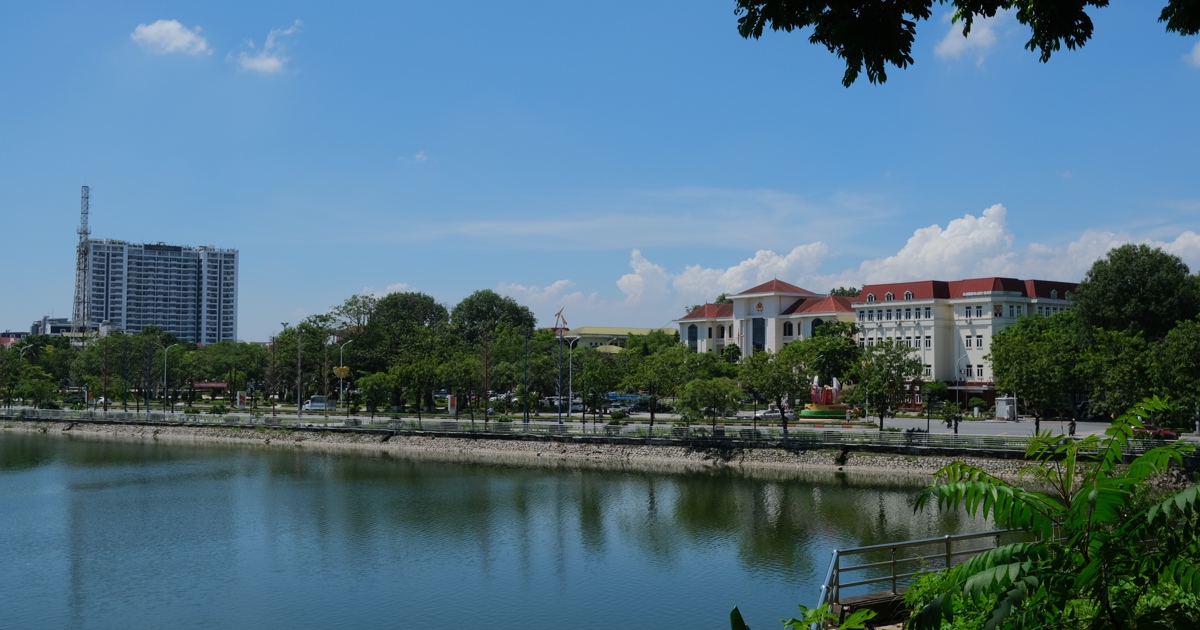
[(289, 537)]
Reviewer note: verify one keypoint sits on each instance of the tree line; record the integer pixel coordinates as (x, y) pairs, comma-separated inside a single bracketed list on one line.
[(1133, 332)]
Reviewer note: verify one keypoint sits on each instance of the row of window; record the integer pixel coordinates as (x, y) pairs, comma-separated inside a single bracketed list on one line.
[(907, 314)]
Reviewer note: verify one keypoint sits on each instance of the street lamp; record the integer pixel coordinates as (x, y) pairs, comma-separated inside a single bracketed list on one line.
[(958, 390), (570, 375), (342, 371), (165, 395)]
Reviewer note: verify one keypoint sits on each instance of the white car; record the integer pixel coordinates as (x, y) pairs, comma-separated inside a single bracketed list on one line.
[(773, 414), (318, 403)]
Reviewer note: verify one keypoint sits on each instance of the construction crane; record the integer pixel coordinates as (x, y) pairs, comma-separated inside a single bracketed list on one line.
[(81, 313)]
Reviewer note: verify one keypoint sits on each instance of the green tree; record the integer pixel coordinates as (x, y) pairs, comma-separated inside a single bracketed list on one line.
[(932, 394), (1117, 366), (1175, 364), (376, 390), (710, 397), (1105, 557), (887, 367), (36, 386), (846, 291), (772, 376), (596, 375), (732, 353), (1036, 359), (482, 311), (658, 375), (870, 34), (1138, 289)]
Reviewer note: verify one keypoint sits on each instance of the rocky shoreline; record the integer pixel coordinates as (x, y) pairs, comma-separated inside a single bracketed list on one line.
[(530, 452)]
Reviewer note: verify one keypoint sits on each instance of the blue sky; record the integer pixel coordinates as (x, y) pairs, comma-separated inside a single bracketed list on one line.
[(618, 159)]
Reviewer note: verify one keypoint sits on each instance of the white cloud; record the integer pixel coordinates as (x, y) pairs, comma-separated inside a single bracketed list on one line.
[(983, 37), (398, 287), (970, 246), (169, 36), (1194, 56), (548, 294), (272, 57)]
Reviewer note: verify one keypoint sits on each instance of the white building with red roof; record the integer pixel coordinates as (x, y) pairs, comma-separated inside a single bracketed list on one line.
[(950, 325), (765, 317)]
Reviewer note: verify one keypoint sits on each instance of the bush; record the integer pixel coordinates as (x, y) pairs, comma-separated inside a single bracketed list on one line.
[(618, 415), (504, 418), (218, 410), (191, 411), (50, 405)]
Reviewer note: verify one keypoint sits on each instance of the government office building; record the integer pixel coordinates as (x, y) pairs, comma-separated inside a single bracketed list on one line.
[(950, 325), (190, 292)]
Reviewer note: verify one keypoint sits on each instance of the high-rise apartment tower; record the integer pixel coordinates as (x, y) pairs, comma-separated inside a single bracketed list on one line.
[(191, 292)]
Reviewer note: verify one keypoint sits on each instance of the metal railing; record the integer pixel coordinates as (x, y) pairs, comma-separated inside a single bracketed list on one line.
[(731, 435), (887, 569)]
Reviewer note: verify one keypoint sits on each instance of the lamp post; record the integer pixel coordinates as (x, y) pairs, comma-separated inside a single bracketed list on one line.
[(166, 349), (342, 374), (298, 375), (571, 373), (958, 390)]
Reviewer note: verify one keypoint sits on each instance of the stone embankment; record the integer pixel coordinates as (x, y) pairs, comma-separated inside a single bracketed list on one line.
[(527, 450)]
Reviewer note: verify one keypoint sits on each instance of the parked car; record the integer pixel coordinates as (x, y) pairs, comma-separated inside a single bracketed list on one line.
[(1153, 432), (773, 414)]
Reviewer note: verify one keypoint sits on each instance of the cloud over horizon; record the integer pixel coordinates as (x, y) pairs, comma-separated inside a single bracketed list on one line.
[(970, 246)]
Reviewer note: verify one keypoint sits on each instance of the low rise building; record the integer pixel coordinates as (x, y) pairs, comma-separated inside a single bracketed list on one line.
[(950, 325), (765, 317)]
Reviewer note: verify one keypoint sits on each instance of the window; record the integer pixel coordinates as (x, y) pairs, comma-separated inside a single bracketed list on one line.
[(787, 329), (928, 312), (1067, 295), (979, 311), (928, 370), (888, 297), (860, 315), (721, 331), (967, 312), (908, 313), (710, 332), (889, 313), (968, 370), (967, 341), (879, 314), (870, 316), (1012, 310), (870, 298), (908, 295), (979, 371), (908, 342), (1054, 294), (978, 341), (928, 341)]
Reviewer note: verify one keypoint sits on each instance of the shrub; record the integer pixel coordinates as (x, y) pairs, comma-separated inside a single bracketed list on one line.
[(618, 415), (504, 418), (191, 411), (218, 410)]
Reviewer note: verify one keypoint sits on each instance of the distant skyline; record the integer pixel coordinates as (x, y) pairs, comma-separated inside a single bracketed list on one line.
[(618, 160)]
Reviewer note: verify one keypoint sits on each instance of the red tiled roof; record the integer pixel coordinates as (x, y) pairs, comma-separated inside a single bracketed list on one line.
[(711, 311), (1042, 288), (823, 304), (930, 289), (921, 290), (777, 286)]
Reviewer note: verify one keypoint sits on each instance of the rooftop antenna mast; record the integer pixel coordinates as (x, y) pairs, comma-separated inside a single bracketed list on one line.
[(80, 314)]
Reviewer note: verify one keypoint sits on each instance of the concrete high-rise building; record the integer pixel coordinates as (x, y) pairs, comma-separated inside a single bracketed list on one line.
[(190, 292)]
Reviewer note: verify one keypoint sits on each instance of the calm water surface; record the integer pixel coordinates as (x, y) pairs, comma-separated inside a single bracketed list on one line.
[(114, 535)]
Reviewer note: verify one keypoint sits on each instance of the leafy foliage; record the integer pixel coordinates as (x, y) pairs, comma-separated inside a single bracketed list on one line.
[(1103, 557), (870, 34)]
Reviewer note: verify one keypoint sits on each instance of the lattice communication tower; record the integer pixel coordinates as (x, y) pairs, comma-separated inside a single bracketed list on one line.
[(80, 314)]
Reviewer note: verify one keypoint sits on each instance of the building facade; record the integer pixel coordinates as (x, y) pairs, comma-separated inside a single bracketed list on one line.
[(765, 317), (190, 292), (950, 325)]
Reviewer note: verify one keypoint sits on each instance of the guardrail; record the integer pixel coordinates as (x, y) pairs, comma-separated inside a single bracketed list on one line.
[(671, 432), (884, 571)]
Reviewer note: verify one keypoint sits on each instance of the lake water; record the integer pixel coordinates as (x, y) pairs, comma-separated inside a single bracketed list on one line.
[(115, 535)]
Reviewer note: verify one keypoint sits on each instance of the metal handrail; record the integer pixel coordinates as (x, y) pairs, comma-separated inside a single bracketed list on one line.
[(830, 592)]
